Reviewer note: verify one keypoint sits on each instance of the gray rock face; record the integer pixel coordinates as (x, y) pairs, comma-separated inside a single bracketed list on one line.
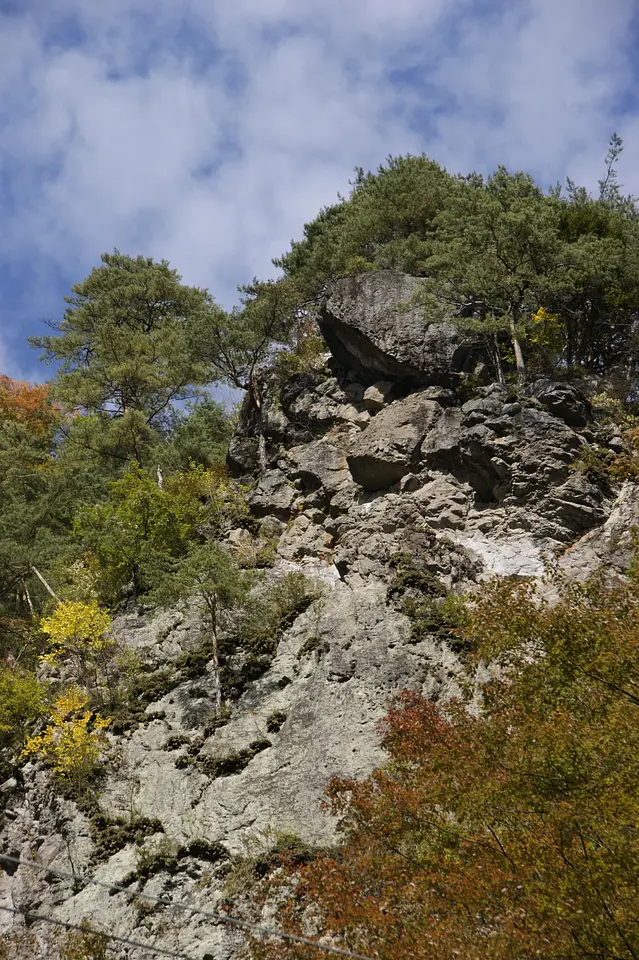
[(354, 476), (329, 684), (273, 496), (373, 328), (385, 450), (491, 455), (377, 396), (609, 547), (243, 456), (562, 400)]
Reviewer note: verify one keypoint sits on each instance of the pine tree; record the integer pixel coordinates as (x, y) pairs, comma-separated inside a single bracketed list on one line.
[(128, 354)]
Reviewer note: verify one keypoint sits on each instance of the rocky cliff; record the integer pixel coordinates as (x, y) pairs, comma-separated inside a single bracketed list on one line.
[(393, 472)]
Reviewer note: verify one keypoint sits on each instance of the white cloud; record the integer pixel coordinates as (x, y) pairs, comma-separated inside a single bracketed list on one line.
[(541, 91), (102, 151)]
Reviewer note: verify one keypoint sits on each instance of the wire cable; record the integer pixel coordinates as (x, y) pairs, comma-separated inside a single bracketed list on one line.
[(226, 918), (100, 933)]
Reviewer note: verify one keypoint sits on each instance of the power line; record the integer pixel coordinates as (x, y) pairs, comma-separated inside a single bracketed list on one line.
[(209, 914), (108, 936)]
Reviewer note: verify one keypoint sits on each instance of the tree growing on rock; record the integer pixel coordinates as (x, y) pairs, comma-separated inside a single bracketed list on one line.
[(74, 743), (142, 525), (497, 249), (209, 575), (504, 252), (78, 634), (23, 701), (386, 222)]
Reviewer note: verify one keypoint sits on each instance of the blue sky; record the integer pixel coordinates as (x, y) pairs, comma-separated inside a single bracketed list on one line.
[(207, 132)]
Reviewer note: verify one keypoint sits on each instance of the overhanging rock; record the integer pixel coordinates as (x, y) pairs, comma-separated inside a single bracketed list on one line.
[(374, 327)]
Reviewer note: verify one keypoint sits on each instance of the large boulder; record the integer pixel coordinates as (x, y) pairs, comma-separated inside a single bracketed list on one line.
[(273, 497), (385, 451), (374, 327), (563, 400)]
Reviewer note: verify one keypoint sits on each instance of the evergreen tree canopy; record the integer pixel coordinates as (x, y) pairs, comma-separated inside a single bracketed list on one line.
[(239, 344), (499, 253), (385, 223), (127, 351)]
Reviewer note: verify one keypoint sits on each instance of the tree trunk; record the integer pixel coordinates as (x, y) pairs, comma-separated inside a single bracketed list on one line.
[(498, 363), (27, 597), (261, 441), (519, 353), (45, 584), (215, 657)]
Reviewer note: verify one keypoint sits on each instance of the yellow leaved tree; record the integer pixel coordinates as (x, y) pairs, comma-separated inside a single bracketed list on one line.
[(78, 634), (74, 741), (545, 335)]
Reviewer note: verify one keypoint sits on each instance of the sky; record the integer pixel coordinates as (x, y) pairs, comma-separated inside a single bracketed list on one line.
[(207, 132)]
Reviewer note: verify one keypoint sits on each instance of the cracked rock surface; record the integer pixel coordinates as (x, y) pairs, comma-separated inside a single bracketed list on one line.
[(381, 459)]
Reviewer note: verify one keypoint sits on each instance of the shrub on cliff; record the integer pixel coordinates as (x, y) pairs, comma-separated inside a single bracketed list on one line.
[(23, 700), (509, 833), (143, 524), (73, 743)]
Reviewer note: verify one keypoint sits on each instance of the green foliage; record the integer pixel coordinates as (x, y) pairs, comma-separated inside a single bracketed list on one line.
[(383, 223), (439, 617), (233, 763), (306, 355), (239, 345), (166, 856), (594, 463), (208, 573), (198, 435), (386, 222), (432, 610), (33, 520), (603, 466), (110, 834), (609, 187), (537, 278), (23, 701), (127, 350), (612, 410), (143, 526), (258, 626), (86, 944), (276, 720), (314, 644), (264, 853), (626, 466), (411, 573), (496, 253)]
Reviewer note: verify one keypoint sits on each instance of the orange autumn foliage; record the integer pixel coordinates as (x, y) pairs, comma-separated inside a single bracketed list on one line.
[(506, 835), (28, 403)]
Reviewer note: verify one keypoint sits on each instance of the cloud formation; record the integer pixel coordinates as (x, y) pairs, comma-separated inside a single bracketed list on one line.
[(208, 132)]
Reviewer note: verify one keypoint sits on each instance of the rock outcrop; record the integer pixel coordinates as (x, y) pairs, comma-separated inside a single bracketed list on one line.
[(387, 477), (373, 326)]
